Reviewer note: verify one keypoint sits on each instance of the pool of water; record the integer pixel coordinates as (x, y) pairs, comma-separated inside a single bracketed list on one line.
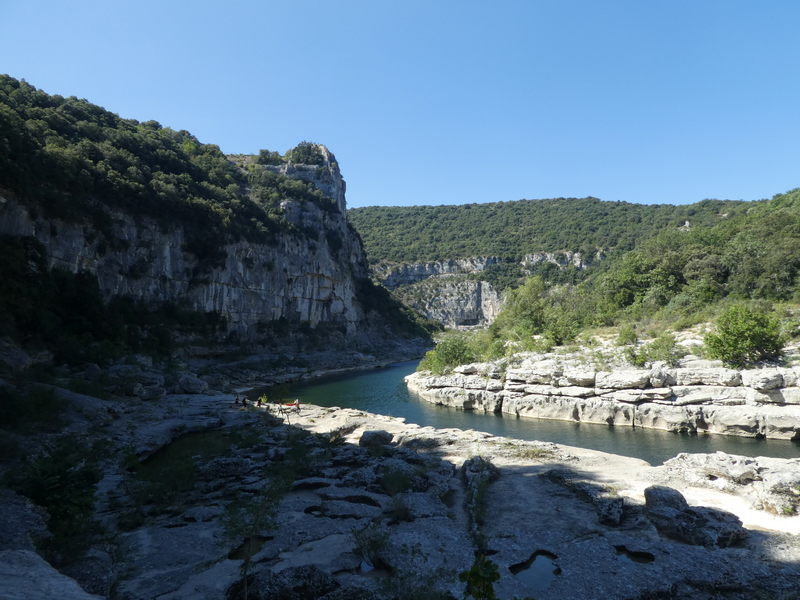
[(383, 391)]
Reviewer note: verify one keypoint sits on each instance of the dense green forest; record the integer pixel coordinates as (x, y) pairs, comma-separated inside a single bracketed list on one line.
[(75, 159), (511, 230)]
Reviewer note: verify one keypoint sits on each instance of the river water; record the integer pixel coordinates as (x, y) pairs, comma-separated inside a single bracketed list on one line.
[(383, 391)]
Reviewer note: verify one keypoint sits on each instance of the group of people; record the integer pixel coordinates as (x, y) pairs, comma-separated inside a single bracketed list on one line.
[(295, 404)]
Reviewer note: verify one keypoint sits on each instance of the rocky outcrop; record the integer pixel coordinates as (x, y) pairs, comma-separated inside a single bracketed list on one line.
[(669, 512), (24, 575), (328, 177), (456, 304), (308, 275), (560, 259), (393, 276), (752, 403)]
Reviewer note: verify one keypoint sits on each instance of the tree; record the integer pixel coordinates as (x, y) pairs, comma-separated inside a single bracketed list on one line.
[(524, 307), (744, 336)]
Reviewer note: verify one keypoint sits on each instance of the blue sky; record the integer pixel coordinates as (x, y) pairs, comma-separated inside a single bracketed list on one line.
[(436, 102)]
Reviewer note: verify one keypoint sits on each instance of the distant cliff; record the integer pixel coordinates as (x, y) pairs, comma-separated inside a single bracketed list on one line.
[(430, 287)]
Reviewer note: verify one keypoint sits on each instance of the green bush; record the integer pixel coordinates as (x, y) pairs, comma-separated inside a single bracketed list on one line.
[(626, 335), (744, 335), (452, 351), (664, 348)]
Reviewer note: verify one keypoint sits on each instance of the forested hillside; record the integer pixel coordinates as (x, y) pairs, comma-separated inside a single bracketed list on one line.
[(677, 278), (73, 157), (514, 229)]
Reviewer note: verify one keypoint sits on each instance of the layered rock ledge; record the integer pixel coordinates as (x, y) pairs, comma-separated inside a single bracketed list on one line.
[(694, 399)]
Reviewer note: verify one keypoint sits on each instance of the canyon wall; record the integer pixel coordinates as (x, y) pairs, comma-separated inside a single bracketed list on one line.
[(307, 276)]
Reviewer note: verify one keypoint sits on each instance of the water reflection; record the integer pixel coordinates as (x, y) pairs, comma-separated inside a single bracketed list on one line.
[(383, 391)]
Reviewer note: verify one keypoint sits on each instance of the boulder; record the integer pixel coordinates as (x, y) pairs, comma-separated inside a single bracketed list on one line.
[(661, 376), (92, 372), (672, 517), (762, 379), (192, 385), (577, 376), (620, 380), (150, 393), (215, 381), (659, 496), (717, 376), (375, 438)]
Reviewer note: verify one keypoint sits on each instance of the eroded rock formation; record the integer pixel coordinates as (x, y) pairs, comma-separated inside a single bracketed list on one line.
[(750, 403)]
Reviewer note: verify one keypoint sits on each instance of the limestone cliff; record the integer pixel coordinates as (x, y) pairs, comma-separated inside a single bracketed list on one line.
[(394, 275), (430, 287), (455, 302), (307, 279)]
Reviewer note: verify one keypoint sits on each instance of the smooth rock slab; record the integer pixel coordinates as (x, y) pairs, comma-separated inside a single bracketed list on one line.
[(703, 394), (24, 575)]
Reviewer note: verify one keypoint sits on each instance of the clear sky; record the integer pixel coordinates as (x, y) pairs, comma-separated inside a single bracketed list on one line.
[(450, 102)]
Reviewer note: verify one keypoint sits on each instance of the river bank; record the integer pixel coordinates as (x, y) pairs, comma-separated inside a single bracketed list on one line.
[(696, 396), (417, 502), (414, 498)]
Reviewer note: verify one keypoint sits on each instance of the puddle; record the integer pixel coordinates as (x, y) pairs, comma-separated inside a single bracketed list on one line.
[(370, 572), (241, 552), (640, 558), (302, 495), (538, 572), (366, 500), (204, 444)]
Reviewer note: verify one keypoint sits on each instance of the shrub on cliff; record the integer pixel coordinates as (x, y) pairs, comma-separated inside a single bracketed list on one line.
[(744, 335)]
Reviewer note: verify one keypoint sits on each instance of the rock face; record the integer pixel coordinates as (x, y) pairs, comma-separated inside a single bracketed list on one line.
[(683, 400), (438, 289), (302, 278), (456, 304), (560, 259), (405, 274)]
